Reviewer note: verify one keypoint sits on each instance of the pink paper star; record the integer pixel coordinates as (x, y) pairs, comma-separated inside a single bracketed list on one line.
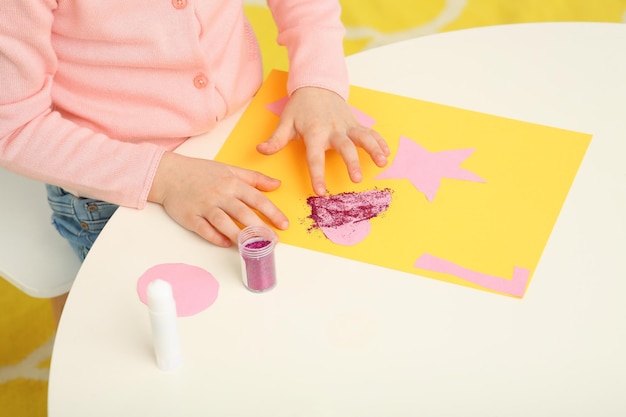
[(425, 169)]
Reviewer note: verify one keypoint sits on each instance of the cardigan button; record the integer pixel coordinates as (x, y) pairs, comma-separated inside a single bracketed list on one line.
[(200, 81), (179, 4)]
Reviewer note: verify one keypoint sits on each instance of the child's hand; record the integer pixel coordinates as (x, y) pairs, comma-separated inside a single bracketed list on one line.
[(325, 121), (207, 197)]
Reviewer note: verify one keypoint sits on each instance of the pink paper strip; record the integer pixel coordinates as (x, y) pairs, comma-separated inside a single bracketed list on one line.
[(515, 286)]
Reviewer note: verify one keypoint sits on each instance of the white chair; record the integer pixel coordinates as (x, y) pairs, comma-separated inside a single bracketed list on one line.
[(33, 256)]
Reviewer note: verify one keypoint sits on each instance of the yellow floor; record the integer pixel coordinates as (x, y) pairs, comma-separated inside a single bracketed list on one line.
[(26, 325), (26, 332)]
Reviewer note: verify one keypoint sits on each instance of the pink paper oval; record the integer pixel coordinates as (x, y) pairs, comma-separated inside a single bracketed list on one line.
[(348, 234), (194, 288)]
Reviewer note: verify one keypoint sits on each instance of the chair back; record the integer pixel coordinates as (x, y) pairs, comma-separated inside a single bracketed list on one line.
[(33, 256)]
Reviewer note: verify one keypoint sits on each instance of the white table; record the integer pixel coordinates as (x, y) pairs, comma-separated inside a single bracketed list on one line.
[(333, 341)]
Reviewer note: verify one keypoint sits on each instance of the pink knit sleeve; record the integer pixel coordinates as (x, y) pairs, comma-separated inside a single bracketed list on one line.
[(312, 32), (36, 141)]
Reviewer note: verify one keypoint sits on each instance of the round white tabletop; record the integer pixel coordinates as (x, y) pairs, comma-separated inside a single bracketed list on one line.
[(331, 340)]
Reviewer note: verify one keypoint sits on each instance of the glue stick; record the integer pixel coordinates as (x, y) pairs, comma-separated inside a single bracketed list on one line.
[(163, 320)]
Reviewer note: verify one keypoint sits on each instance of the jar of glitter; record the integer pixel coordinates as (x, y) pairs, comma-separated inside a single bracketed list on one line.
[(256, 247)]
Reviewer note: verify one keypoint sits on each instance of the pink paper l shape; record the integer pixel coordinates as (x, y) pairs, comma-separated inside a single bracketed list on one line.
[(515, 286)]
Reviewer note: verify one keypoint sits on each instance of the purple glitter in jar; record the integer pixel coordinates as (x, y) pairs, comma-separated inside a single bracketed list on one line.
[(256, 247)]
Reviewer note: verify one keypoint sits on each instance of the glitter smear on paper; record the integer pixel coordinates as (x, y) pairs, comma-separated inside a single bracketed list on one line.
[(345, 218)]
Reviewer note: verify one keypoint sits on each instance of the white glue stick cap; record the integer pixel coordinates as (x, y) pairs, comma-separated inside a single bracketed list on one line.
[(161, 297), (164, 323)]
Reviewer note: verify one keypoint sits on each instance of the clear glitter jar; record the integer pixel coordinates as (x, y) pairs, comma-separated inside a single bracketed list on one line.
[(256, 247)]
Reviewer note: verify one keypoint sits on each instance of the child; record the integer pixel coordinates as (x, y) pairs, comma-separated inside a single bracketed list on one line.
[(96, 94)]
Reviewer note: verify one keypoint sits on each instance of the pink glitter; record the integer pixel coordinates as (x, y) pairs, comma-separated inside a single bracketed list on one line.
[(258, 244), (345, 208), (260, 272)]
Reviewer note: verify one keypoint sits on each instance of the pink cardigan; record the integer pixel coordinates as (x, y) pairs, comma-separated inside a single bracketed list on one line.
[(92, 92)]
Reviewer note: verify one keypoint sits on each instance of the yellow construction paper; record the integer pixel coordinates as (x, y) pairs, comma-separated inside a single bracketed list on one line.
[(488, 227)]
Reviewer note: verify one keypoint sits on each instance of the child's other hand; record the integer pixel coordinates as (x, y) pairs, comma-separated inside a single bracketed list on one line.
[(325, 121), (207, 197)]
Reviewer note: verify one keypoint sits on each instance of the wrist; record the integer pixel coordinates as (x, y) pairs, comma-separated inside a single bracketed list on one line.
[(161, 178)]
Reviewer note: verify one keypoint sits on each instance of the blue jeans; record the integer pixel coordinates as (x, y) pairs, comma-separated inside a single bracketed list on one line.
[(79, 220)]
